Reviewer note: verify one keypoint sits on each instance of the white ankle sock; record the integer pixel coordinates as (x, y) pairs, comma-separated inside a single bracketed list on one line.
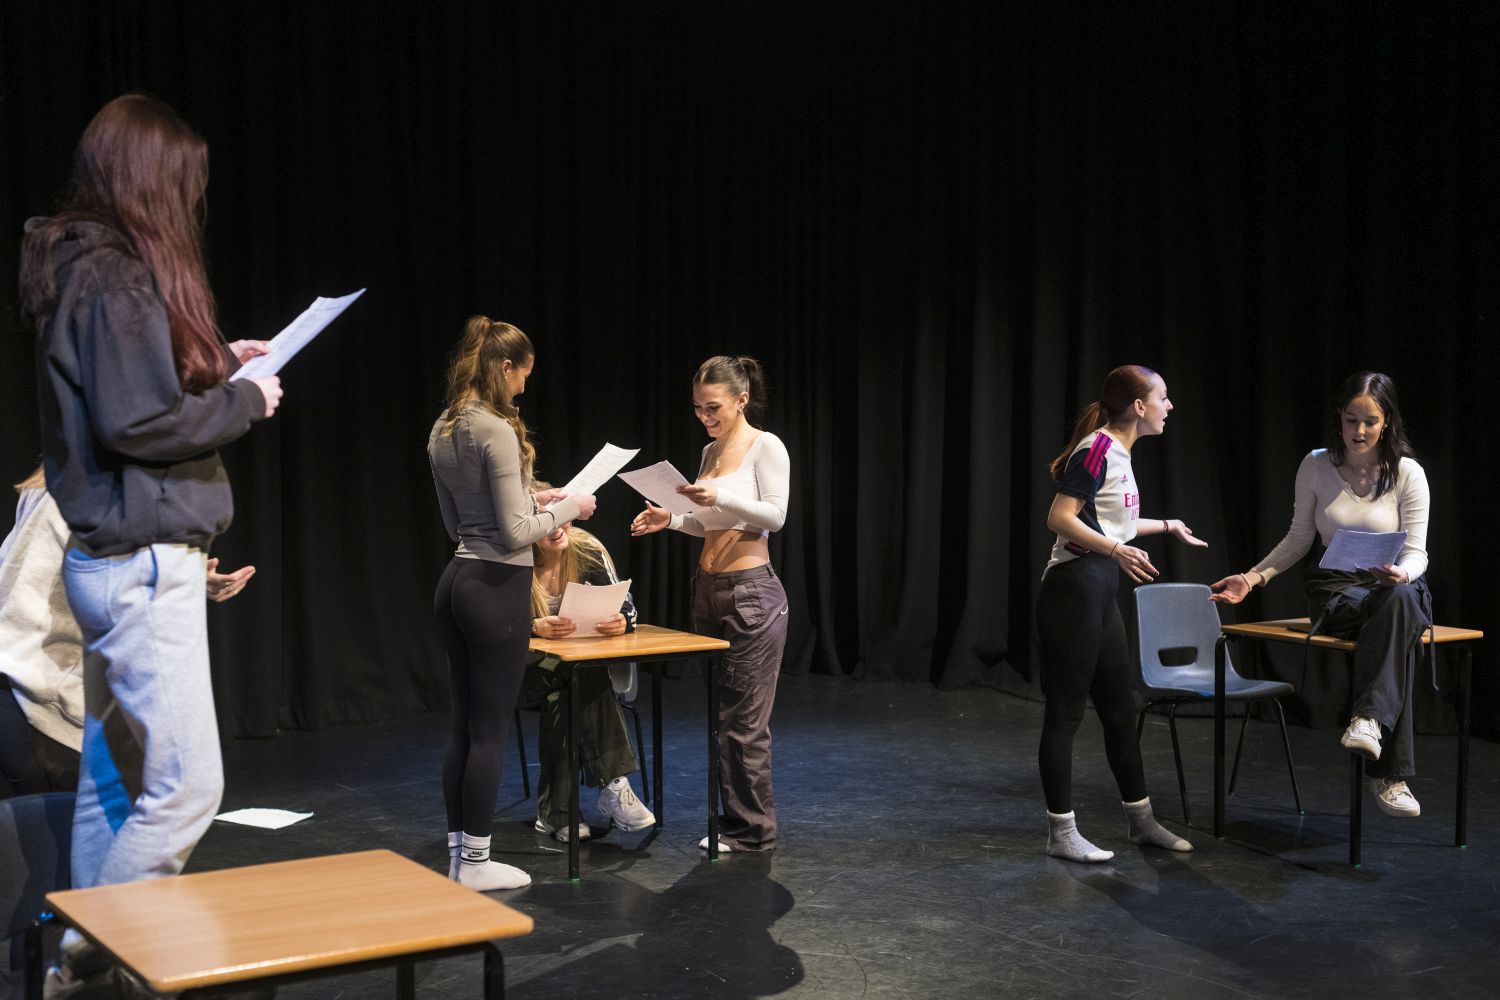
[(476, 870), (453, 842), (1144, 829), (1064, 841)]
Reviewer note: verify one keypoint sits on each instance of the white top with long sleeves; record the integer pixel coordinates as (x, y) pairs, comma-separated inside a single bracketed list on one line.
[(751, 498), (1325, 503)]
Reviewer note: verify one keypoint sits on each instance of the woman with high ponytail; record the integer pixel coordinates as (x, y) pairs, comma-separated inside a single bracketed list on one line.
[(482, 468), (743, 485), (1096, 514), (135, 403)]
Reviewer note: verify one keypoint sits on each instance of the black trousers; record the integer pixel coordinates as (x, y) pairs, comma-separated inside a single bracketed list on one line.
[(1085, 654), (1386, 624), (484, 611)]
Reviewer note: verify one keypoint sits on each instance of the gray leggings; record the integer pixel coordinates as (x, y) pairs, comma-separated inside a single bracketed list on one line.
[(747, 607)]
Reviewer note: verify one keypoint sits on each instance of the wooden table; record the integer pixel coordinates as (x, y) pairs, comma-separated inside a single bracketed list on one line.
[(647, 644), (291, 920), (1294, 630)]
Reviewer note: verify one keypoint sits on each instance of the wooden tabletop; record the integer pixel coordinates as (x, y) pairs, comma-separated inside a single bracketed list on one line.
[(292, 916), (1284, 630), (645, 643)]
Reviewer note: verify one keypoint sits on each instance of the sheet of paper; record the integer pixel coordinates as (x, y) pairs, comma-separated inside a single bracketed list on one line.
[(601, 468), (1355, 551), (266, 819), (658, 483), (587, 606), (298, 334)]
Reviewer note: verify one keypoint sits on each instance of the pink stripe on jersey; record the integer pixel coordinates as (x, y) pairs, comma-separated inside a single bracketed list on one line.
[(1094, 461)]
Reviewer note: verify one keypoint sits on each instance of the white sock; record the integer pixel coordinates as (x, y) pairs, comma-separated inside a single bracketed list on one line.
[(453, 840), (1144, 829), (1064, 841), (476, 871)]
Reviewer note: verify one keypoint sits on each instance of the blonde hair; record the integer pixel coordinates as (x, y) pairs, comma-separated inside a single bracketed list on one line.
[(584, 556), (476, 374), (36, 481)]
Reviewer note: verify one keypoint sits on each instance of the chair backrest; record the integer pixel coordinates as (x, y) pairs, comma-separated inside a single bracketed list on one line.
[(1176, 629), (35, 832)]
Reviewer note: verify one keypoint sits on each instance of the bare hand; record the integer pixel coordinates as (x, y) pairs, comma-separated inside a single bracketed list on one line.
[(1230, 590), (1184, 534), (1135, 562), (547, 498), (223, 586), (1389, 575), (703, 496), (553, 627), (611, 626), (586, 505), (270, 387), (650, 520), (244, 350)]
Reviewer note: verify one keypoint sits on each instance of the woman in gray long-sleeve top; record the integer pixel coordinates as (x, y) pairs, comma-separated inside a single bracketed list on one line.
[(481, 465)]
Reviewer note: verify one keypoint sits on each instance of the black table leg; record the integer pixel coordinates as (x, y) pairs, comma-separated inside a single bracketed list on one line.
[(1461, 812), (406, 981), (571, 694), (494, 973), (1221, 652), (1356, 807), (656, 792), (713, 758)]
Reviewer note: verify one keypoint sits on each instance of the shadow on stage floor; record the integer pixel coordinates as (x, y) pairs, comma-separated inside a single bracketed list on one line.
[(910, 865)]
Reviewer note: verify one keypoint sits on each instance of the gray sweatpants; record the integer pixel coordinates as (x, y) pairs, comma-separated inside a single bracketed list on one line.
[(748, 608), (150, 778)]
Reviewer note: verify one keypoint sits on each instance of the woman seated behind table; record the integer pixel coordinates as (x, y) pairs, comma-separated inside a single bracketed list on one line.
[(572, 555)]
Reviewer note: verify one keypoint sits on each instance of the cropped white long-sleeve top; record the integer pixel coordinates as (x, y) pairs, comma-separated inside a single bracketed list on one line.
[(751, 498)]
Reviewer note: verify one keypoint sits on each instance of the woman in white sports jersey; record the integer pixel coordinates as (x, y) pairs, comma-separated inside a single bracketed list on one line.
[(741, 493), (1365, 480), (1096, 514)]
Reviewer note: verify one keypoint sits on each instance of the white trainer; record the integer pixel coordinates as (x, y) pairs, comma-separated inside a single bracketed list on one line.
[(1362, 737), (560, 833), (1394, 798), (617, 801)]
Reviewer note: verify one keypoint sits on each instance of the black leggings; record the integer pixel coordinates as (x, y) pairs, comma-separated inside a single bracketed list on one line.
[(30, 762), (1084, 654), (484, 611)]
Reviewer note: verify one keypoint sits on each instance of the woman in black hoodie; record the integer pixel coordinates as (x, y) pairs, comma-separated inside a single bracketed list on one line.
[(133, 380)]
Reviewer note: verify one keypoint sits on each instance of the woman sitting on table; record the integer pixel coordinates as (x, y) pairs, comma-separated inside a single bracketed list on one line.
[(1365, 480), (571, 555)]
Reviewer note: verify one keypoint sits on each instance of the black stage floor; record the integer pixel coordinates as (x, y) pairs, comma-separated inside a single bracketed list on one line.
[(911, 865)]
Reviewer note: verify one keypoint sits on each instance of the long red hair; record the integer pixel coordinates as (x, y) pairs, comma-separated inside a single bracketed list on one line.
[(141, 170)]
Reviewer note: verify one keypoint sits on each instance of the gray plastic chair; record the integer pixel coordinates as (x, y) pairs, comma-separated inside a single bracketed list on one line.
[(1177, 627)]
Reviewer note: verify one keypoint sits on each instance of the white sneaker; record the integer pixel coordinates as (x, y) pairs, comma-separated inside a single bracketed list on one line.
[(723, 847), (490, 876), (617, 801), (1362, 737), (560, 833), (1394, 798)]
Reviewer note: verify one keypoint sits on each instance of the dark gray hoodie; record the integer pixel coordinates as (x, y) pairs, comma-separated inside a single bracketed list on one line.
[(130, 457)]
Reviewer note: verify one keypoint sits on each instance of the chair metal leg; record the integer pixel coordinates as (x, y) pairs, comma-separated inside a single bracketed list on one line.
[(1239, 745), (521, 748), (406, 981), (1461, 706), (640, 745), (1286, 744), (1140, 720), (1187, 818), (35, 959)]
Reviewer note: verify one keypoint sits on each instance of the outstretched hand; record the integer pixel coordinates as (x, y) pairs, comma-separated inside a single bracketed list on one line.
[(650, 520), (1180, 531), (223, 586), (1230, 590)]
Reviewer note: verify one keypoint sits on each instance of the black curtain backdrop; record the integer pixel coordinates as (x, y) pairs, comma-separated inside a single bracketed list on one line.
[(938, 224)]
